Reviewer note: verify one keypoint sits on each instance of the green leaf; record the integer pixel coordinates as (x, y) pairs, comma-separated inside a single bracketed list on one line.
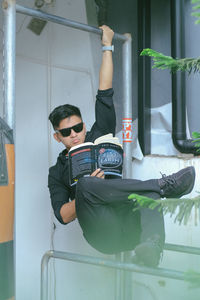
[(195, 1), (196, 7), (196, 14), (195, 134), (196, 137)]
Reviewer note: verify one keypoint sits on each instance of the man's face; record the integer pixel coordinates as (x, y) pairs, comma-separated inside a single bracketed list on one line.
[(75, 138)]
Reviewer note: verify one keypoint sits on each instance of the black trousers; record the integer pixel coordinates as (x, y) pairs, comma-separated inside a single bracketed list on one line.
[(106, 214)]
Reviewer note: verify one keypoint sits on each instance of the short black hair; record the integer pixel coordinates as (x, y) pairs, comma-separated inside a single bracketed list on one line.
[(61, 112)]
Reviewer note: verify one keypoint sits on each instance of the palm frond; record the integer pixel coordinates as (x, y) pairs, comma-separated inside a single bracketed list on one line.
[(170, 205), (162, 62)]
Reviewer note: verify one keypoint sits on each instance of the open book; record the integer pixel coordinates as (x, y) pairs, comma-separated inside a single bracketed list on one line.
[(105, 153)]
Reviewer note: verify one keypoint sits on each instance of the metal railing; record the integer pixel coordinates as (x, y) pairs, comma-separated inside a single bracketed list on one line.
[(161, 272)]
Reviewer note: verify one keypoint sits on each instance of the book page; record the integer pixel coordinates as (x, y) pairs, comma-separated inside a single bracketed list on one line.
[(108, 138), (81, 145)]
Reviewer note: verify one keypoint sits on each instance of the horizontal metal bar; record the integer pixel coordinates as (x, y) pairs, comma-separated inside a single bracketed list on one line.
[(184, 249), (113, 264), (63, 21)]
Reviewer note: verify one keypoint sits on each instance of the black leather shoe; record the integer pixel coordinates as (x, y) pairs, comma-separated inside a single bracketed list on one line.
[(177, 184), (149, 252)]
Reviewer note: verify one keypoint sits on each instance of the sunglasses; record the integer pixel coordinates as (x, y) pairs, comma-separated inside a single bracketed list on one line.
[(67, 131)]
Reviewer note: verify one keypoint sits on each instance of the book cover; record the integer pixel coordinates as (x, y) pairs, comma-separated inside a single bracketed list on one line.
[(106, 153)]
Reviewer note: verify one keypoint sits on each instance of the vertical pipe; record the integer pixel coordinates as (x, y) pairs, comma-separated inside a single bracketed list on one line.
[(144, 76), (178, 79), (127, 105), (127, 142), (179, 105), (9, 59)]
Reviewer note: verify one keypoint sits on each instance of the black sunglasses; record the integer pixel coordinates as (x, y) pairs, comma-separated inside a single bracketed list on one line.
[(67, 131)]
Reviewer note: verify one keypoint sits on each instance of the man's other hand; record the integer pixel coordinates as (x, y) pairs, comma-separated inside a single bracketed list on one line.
[(98, 173)]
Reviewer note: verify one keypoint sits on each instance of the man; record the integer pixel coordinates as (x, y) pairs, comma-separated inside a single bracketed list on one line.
[(102, 206)]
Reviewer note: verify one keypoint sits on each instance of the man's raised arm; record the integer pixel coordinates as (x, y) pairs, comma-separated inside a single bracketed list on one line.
[(106, 70)]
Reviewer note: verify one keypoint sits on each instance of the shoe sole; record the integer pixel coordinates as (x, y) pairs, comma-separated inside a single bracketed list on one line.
[(147, 256)]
